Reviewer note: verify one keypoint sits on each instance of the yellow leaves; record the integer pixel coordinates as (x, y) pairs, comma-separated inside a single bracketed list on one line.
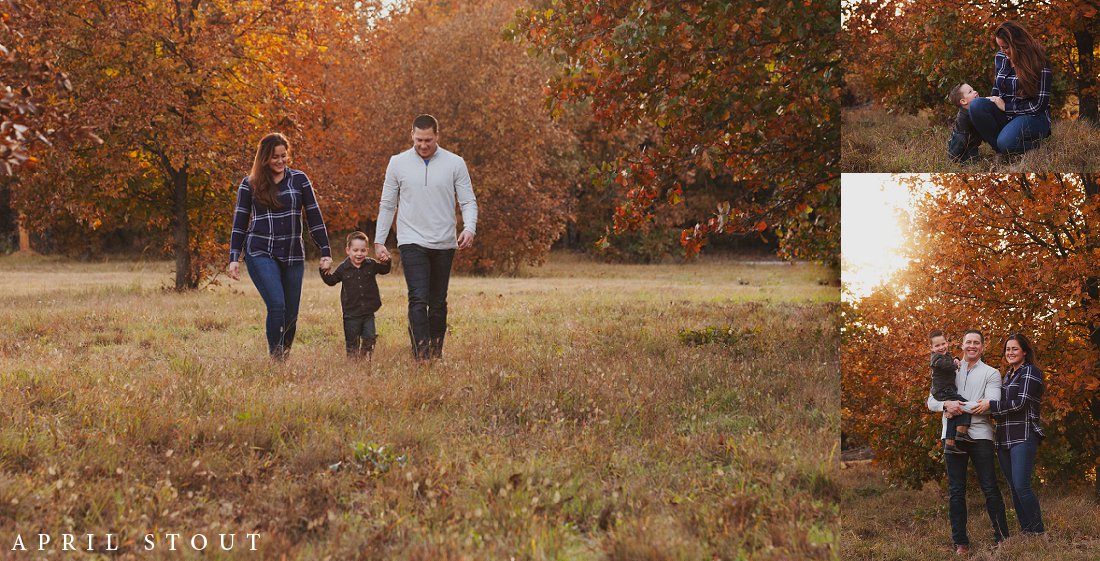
[(111, 72)]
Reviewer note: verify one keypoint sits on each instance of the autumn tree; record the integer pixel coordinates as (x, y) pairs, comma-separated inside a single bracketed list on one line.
[(449, 59), (737, 94), (1003, 254), (179, 92), (907, 54)]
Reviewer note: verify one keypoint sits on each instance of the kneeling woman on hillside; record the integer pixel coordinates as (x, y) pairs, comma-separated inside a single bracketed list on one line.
[(1016, 116), (267, 229)]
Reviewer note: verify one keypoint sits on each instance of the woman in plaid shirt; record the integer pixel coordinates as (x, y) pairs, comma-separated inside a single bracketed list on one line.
[(1016, 116), (267, 230), (1018, 429)]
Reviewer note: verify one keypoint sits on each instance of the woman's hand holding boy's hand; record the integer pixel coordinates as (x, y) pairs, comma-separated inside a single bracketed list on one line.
[(1000, 103), (326, 264), (234, 270)]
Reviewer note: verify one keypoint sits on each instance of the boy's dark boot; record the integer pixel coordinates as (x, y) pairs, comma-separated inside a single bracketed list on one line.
[(963, 437), (954, 450), (366, 347)]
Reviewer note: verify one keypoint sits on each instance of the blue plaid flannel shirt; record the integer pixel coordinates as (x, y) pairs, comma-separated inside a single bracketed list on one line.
[(1017, 412), (1006, 83), (278, 233)]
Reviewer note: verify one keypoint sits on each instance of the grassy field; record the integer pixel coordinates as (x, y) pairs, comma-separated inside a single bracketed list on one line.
[(873, 140), (568, 420), (881, 522)]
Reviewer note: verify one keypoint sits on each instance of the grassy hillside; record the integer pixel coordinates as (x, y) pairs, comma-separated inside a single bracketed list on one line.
[(874, 141)]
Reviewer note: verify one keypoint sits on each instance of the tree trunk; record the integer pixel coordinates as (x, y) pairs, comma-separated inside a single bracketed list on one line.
[(1086, 78), (181, 229), (24, 236)]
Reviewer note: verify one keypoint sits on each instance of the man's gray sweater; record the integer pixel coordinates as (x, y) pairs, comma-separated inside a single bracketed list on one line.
[(426, 195)]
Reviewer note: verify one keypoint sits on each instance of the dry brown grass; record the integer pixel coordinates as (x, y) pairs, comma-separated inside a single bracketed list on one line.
[(567, 421), (874, 141), (883, 522)]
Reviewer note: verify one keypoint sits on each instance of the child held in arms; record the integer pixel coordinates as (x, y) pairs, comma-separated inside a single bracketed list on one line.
[(944, 367), (359, 296), (965, 140)]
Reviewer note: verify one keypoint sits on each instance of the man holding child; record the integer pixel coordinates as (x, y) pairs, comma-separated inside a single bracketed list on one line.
[(975, 381)]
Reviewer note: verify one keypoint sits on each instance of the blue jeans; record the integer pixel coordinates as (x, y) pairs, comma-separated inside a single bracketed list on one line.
[(1007, 136), (280, 285), (427, 274), (1018, 465), (981, 453)]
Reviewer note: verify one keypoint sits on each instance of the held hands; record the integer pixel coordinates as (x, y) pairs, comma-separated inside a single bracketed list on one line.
[(234, 270), (1000, 103), (326, 264), (465, 239), (953, 408), (381, 252), (981, 408)]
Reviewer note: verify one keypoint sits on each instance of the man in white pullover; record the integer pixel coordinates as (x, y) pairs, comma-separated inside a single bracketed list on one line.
[(425, 181), (975, 380)]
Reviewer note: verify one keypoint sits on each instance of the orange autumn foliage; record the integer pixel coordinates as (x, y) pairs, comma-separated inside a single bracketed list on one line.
[(1003, 254)]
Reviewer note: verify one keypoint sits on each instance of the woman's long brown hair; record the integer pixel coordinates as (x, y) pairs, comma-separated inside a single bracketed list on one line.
[(1026, 54), (261, 180)]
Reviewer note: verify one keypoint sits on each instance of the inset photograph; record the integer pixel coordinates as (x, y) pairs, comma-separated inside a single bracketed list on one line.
[(969, 350), (970, 87)]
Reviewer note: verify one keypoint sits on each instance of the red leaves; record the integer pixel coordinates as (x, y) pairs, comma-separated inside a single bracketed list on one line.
[(677, 67)]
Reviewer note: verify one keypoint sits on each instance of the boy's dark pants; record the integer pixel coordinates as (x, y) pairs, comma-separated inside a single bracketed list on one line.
[(958, 420), (359, 335)]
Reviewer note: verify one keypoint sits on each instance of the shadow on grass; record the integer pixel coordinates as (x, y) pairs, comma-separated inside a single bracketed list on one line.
[(873, 140)]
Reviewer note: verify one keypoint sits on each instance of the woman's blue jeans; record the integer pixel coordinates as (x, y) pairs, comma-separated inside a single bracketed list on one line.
[(1018, 465), (1007, 136), (280, 285)]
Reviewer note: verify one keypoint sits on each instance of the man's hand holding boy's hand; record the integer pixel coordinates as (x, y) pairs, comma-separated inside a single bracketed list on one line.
[(381, 252), (953, 408)]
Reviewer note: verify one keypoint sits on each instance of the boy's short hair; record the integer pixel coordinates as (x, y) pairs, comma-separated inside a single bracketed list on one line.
[(956, 94), (357, 235), (936, 333), (425, 122)]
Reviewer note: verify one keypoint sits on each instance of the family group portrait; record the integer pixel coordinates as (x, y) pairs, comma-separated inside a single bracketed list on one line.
[(973, 86), (420, 279), (971, 335)]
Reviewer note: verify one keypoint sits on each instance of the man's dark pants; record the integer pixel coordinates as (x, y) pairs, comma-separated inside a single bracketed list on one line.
[(981, 453), (427, 274)]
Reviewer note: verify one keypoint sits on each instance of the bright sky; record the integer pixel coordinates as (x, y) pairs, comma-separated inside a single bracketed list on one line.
[(870, 236)]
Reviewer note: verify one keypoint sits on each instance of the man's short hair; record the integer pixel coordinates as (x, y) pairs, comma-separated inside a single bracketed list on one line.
[(956, 95), (975, 331), (357, 235), (936, 333), (425, 122)]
